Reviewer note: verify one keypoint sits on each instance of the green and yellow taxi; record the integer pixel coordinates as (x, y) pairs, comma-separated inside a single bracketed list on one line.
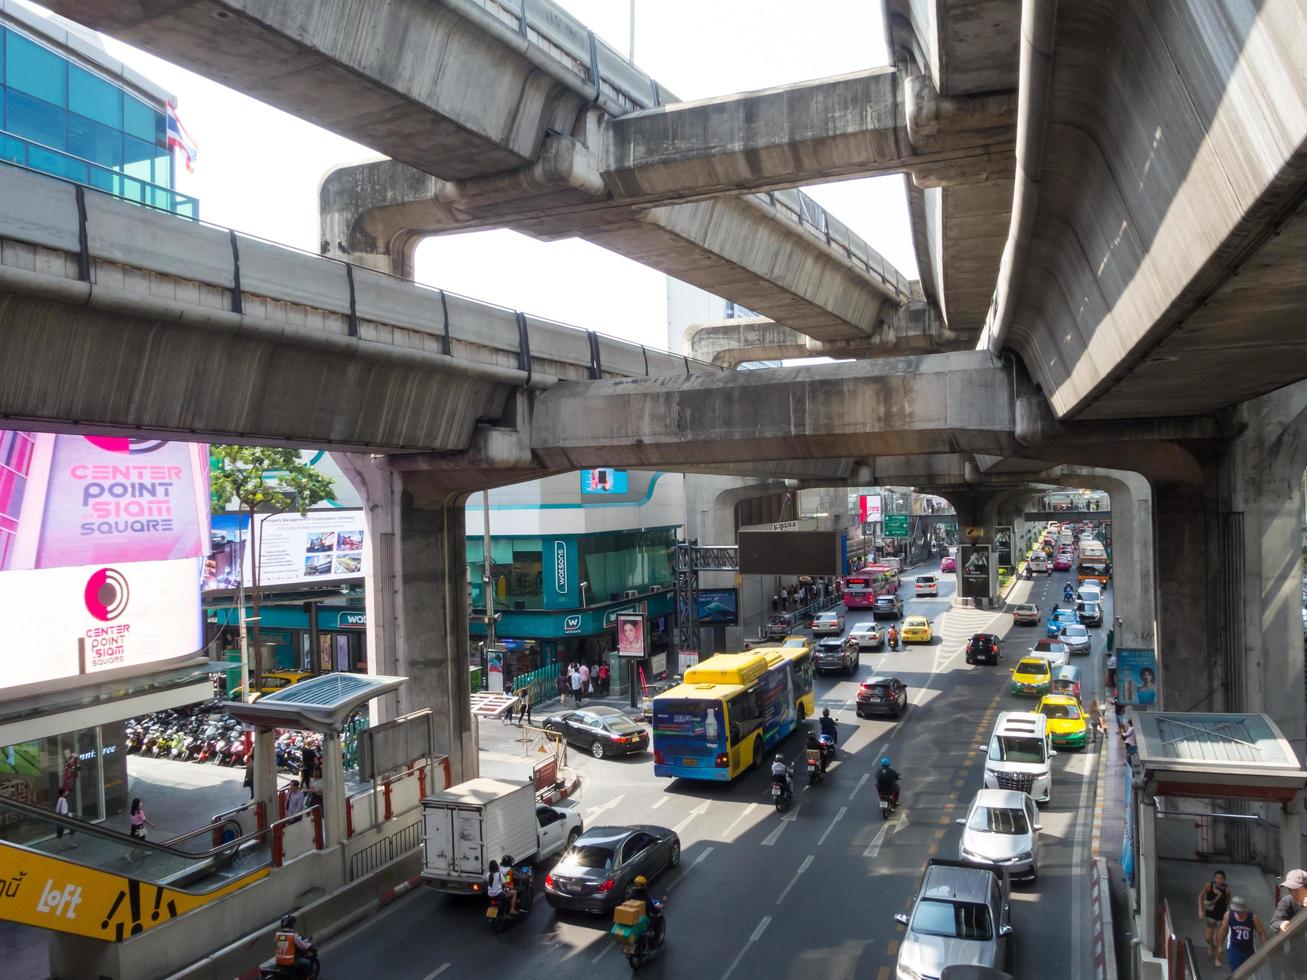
[(1032, 677), (1066, 720), (916, 629)]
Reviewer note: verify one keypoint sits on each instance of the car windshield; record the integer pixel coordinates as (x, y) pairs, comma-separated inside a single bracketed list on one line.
[(795, 642), (1050, 646), (1068, 711), (826, 617), (1039, 667), (954, 920), (589, 856), (998, 820), (880, 690), (1076, 632), (1017, 748), (885, 600)]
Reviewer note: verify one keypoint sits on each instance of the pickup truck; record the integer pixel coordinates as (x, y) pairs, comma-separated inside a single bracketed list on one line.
[(467, 826)]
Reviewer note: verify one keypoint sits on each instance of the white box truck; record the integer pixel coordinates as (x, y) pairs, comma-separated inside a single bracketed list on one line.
[(467, 826)]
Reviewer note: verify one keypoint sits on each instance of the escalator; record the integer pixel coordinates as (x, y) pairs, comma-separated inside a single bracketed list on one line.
[(108, 885)]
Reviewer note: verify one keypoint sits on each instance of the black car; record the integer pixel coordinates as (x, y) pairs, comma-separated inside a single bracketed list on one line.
[(984, 648), (601, 730), (596, 874), (887, 607), (1090, 613), (833, 653), (882, 696)]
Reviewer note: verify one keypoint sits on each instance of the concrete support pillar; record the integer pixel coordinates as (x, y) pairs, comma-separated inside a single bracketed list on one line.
[(333, 790), (976, 508), (1291, 849), (1146, 871), (1132, 562), (265, 770)]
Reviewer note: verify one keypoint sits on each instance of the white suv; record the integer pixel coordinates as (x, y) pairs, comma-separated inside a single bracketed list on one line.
[(927, 585), (1019, 756)]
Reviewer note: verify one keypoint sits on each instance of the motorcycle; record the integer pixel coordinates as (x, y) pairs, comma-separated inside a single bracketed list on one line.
[(1068, 593), (893, 640), (819, 759), (781, 794), (272, 970), (887, 803), (639, 941), (497, 909)]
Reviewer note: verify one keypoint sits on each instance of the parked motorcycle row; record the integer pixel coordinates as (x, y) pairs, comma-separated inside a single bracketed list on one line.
[(206, 733)]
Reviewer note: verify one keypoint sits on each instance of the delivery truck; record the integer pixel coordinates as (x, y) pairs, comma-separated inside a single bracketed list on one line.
[(467, 826)]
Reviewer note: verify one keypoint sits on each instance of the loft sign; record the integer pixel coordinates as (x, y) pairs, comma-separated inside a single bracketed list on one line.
[(560, 566)]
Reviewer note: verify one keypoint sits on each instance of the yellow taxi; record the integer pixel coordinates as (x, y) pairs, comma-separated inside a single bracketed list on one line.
[(1066, 720), (1032, 676), (273, 681), (795, 641), (916, 629)]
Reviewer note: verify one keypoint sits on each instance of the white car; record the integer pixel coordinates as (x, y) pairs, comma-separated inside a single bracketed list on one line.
[(1076, 637), (1038, 562), (1002, 828), (927, 585), (828, 623), (1090, 592), (868, 635)]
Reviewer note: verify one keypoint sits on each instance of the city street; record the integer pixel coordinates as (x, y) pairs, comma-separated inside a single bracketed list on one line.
[(811, 893)]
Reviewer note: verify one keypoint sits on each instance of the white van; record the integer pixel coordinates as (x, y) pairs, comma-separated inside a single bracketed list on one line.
[(1018, 755), (1038, 562)]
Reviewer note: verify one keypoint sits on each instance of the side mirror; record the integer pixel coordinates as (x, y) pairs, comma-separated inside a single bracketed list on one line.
[(1052, 752), (901, 918), (1005, 930), (1039, 826), (960, 821)]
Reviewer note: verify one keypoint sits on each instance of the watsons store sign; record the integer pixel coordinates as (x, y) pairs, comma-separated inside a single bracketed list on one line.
[(560, 567)]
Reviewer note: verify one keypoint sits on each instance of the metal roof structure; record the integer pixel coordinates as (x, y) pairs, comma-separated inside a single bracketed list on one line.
[(1217, 755), (319, 704)]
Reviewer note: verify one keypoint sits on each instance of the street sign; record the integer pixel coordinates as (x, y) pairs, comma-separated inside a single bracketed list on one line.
[(895, 525)]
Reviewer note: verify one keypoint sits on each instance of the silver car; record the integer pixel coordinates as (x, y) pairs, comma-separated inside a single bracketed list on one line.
[(961, 916), (829, 622), (1076, 638), (868, 636), (1002, 828)]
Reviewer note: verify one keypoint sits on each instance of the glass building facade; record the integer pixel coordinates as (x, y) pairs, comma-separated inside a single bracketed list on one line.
[(66, 119)]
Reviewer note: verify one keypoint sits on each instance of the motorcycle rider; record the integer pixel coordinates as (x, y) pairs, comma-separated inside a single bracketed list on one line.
[(289, 944), (814, 745), (497, 888), (1068, 593), (780, 773), (831, 731), (652, 908), (887, 781), (893, 638)]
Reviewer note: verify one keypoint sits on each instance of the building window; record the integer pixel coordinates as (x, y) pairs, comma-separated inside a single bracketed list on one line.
[(36, 70), (33, 119), (95, 142), (516, 568), (616, 562), (139, 120), (91, 96)]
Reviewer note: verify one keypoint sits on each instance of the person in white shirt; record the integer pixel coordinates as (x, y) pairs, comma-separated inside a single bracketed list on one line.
[(295, 799), (585, 679), (576, 687)]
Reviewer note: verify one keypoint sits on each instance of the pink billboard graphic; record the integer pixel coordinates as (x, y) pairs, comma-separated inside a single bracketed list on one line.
[(92, 500)]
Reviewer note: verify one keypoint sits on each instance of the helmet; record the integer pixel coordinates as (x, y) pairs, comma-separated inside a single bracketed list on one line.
[(885, 761), (825, 712), (506, 862), (640, 881), (288, 922), (779, 757)]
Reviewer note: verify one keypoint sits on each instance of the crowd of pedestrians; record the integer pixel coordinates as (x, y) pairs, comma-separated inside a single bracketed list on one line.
[(580, 681), (804, 592)]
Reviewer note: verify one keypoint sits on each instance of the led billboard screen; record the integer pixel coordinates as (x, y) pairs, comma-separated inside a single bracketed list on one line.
[(102, 544), (718, 606), (322, 546), (603, 481), (790, 552)]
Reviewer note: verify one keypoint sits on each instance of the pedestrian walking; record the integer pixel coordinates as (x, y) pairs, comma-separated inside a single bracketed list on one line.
[(248, 782), (524, 706), (61, 808), (1111, 673), (585, 679), (1236, 934), (308, 764), (1131, 742), (605, 678), (1213, 903), (576, 687), (294, 800), (137, 822), (564, 682), (1096, 726), (1293, 902), (1119, 711)]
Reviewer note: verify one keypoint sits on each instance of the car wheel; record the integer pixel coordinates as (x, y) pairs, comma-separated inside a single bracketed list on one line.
[(597, 749), (571, 837), (675, 858), (757, 754)]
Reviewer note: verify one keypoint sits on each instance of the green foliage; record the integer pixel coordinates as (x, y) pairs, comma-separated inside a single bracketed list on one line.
[(263, 479)]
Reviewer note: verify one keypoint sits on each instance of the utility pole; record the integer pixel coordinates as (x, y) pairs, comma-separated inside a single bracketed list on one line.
[(630, 49), (487, 586)]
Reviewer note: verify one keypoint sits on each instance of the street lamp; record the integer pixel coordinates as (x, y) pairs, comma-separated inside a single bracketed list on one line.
[(583, 587)]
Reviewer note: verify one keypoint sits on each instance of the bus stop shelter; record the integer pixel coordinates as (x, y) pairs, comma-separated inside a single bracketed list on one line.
[(1208, 756), (320, 704)]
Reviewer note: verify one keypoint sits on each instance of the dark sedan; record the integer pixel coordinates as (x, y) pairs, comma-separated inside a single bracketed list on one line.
[(882, 695), (835, 653), (596, 873), (984, 648), (600, 730)]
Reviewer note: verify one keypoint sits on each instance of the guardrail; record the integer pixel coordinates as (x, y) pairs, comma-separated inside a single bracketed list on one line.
[(1170, 946), (385, 850), (397, 795)]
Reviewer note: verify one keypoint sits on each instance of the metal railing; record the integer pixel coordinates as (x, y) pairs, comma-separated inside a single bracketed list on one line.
[(543, 681), (30, 155), (381, 853)]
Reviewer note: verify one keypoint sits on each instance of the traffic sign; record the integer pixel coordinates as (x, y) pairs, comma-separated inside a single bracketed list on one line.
[(895, 525)]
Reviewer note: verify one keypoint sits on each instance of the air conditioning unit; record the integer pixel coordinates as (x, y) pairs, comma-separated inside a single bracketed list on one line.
[(631, 594), (655, 588)]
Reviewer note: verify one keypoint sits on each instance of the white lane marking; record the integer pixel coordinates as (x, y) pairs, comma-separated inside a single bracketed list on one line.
[(659, 803), (789, 818), (1081, 827), (807, 863), (594, 811), (893, 825), (726, 834), (838, 817), (436, 972), (600, 955), (757, 934), (697, 861), (861, 782), (698, 811)]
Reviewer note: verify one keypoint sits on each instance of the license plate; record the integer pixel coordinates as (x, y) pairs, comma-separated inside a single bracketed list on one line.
[(691, 763), (492, 912)]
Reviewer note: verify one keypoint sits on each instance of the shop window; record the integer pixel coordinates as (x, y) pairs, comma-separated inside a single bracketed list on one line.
[(36, 70), (91, 96), (34, 120)]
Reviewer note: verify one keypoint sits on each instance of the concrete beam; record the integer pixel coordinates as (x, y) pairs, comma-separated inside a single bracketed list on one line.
[(943, 403), (856, 125)]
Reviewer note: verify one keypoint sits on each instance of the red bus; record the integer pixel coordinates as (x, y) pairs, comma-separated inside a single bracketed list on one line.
[(861, 588)]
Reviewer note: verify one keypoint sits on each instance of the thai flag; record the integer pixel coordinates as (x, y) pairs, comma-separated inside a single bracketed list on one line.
[(179, 139)]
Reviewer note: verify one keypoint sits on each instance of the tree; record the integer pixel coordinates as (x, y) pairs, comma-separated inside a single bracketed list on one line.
[(263, 481)]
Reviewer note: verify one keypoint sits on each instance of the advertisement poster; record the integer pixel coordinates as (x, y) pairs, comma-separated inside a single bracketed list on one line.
[(869, 508), (974, 571), (603, 481), (102, 544), (718, 606), (630, 634), (685, 659), (323, 545), (1136, 676), (1003, 545)]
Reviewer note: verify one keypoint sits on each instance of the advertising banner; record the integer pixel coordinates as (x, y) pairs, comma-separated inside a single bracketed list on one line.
[(1136, 676), (718, 606), (974, 567), (603, 481), (323, 545), (1003, 545), (102, 545), (869, 508), (630, 635)]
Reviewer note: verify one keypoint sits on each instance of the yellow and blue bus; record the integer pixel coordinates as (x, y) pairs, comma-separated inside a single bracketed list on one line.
[(729, 711)]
